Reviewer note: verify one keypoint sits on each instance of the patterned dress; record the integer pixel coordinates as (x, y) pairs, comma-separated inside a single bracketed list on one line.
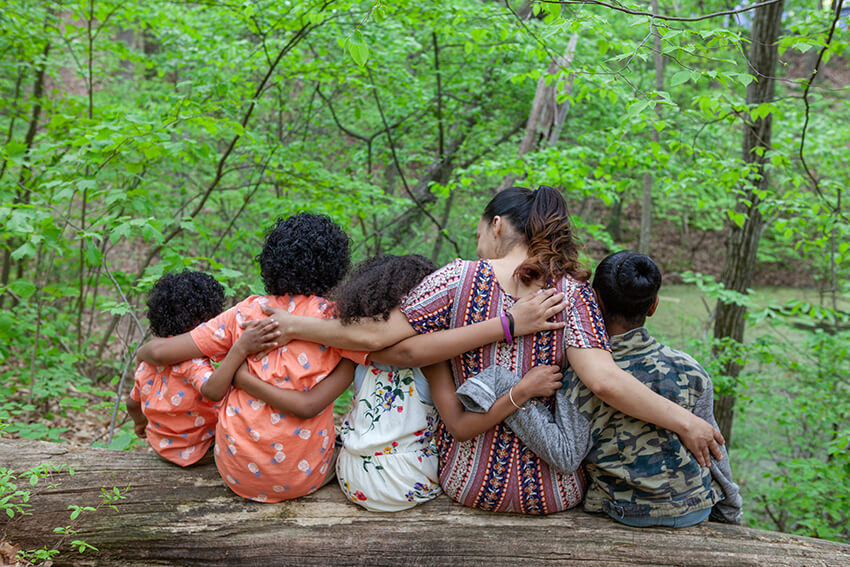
[(388, 460), (181, 422), (496, 471), (261, 453)]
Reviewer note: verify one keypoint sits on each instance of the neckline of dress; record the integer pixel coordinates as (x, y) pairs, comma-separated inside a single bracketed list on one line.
[(496, 279)]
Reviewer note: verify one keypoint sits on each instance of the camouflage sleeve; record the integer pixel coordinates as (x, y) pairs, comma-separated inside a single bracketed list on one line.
[(727, 510)]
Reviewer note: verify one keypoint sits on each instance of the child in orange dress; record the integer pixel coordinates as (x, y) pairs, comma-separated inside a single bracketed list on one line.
[(261, 453), (175, 407)]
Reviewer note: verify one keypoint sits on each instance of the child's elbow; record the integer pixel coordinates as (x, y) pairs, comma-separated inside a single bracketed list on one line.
[(152, 353), (210, 395), (460, 434)]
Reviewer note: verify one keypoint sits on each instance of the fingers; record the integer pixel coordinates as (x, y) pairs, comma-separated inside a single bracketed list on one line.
[(715, 450)]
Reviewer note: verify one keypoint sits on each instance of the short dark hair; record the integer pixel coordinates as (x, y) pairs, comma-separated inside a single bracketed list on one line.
[(180, 301), (305, 254), (627, 283), (377, 285)]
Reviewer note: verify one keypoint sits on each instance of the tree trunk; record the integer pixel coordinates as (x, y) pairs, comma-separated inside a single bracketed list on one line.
[(646, 201), (546, 117), (742, 241), (174, 516)]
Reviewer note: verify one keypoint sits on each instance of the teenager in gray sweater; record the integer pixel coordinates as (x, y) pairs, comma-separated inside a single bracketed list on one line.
[(639, 474)]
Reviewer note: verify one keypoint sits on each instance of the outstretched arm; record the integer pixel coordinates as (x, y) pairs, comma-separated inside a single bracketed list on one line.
[(624, 392), (531, 314), (465, 425), (166, 351), (300, 404), (367, 334), (254, 339)]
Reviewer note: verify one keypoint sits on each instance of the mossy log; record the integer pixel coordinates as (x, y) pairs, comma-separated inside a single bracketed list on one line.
[(174, 516)]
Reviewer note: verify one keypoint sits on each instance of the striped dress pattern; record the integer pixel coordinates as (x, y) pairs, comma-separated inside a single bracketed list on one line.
[(496, 471)]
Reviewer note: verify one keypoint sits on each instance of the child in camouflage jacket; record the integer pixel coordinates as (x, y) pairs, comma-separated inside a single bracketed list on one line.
[(639, 474)]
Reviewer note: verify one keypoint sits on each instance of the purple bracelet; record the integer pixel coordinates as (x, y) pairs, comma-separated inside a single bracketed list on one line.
[(506, 327)]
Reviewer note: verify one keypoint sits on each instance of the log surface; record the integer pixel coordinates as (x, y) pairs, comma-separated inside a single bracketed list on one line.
[(188, 517)]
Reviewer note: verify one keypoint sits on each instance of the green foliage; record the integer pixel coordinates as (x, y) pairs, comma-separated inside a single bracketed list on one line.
[(139, 138)]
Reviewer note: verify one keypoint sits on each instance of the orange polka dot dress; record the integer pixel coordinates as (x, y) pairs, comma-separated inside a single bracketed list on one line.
[(261, 453)]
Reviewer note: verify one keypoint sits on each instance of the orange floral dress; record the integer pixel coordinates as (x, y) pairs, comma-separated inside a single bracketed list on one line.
[(261, 453)]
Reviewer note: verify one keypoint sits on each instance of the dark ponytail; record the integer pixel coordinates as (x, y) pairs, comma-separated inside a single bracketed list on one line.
[(627, 283), (552, 253), (543, 219)]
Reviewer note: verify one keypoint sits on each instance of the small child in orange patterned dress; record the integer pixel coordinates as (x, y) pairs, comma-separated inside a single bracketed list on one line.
[(175, 407)]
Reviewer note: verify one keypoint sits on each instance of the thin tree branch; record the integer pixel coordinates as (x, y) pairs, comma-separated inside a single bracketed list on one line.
[(659, 17)]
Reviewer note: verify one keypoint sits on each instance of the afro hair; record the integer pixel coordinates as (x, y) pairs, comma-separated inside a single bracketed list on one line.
[(377, 285), (180, 301), (305, 254)]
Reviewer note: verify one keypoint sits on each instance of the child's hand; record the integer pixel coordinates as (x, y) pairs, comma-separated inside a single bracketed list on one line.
[(531, 313), (259, 335), (539, 382), (140, 429)]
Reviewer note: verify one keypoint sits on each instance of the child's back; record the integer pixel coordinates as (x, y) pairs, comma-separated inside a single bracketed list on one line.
[(388, 460), (165, 402), (263, 454)]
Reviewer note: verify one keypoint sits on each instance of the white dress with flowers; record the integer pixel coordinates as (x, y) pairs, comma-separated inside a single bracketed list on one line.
[(388, 460)]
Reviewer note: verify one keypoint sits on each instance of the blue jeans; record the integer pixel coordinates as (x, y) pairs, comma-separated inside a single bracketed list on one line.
[(689, 519)]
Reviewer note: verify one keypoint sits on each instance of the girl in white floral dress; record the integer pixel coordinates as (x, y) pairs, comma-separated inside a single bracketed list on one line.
[(388, 458)]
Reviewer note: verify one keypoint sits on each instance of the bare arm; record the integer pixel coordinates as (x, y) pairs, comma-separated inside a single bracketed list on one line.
[(367, 334), (300, 404), (621, 390), (531, 314), (140, 422), (254, 339), (164, 352), (465, 425)]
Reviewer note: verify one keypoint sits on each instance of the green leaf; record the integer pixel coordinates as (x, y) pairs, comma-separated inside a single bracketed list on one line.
[(22, 288), (680, 78)]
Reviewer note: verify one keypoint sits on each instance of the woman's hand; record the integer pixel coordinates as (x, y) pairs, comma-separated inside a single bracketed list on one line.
[(284, 320), (539, 382), (702, 440), (259, 336), (532, 312)]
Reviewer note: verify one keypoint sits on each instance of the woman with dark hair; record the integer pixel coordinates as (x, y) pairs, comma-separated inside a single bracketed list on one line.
[(525, 241)]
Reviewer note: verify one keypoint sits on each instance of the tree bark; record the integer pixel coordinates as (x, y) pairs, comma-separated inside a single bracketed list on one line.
[(547, 116), (174, 516), (646, 201), (742, 241)]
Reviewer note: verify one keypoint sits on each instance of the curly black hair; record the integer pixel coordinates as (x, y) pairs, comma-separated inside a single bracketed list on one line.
[(305, 254), (376, 286), (180, 301)]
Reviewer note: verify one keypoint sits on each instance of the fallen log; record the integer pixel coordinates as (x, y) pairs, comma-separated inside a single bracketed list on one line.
[(187, 516)]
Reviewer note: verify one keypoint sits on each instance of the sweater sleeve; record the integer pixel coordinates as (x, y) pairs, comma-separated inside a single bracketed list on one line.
[(727, 510), (562, 439)]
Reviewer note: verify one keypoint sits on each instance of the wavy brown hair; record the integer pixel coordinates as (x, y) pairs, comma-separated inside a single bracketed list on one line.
[(543, 218)]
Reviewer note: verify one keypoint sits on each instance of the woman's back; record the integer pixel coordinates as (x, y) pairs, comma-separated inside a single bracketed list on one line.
[(495, 471)]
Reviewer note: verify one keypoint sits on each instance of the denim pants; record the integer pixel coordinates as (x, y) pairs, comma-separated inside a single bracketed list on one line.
[(689, 519)]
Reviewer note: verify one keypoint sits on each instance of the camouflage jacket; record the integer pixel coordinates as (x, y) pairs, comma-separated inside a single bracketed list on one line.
[(634, 468)]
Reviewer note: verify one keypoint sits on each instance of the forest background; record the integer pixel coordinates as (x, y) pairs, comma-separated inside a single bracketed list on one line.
[(138, 138)]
